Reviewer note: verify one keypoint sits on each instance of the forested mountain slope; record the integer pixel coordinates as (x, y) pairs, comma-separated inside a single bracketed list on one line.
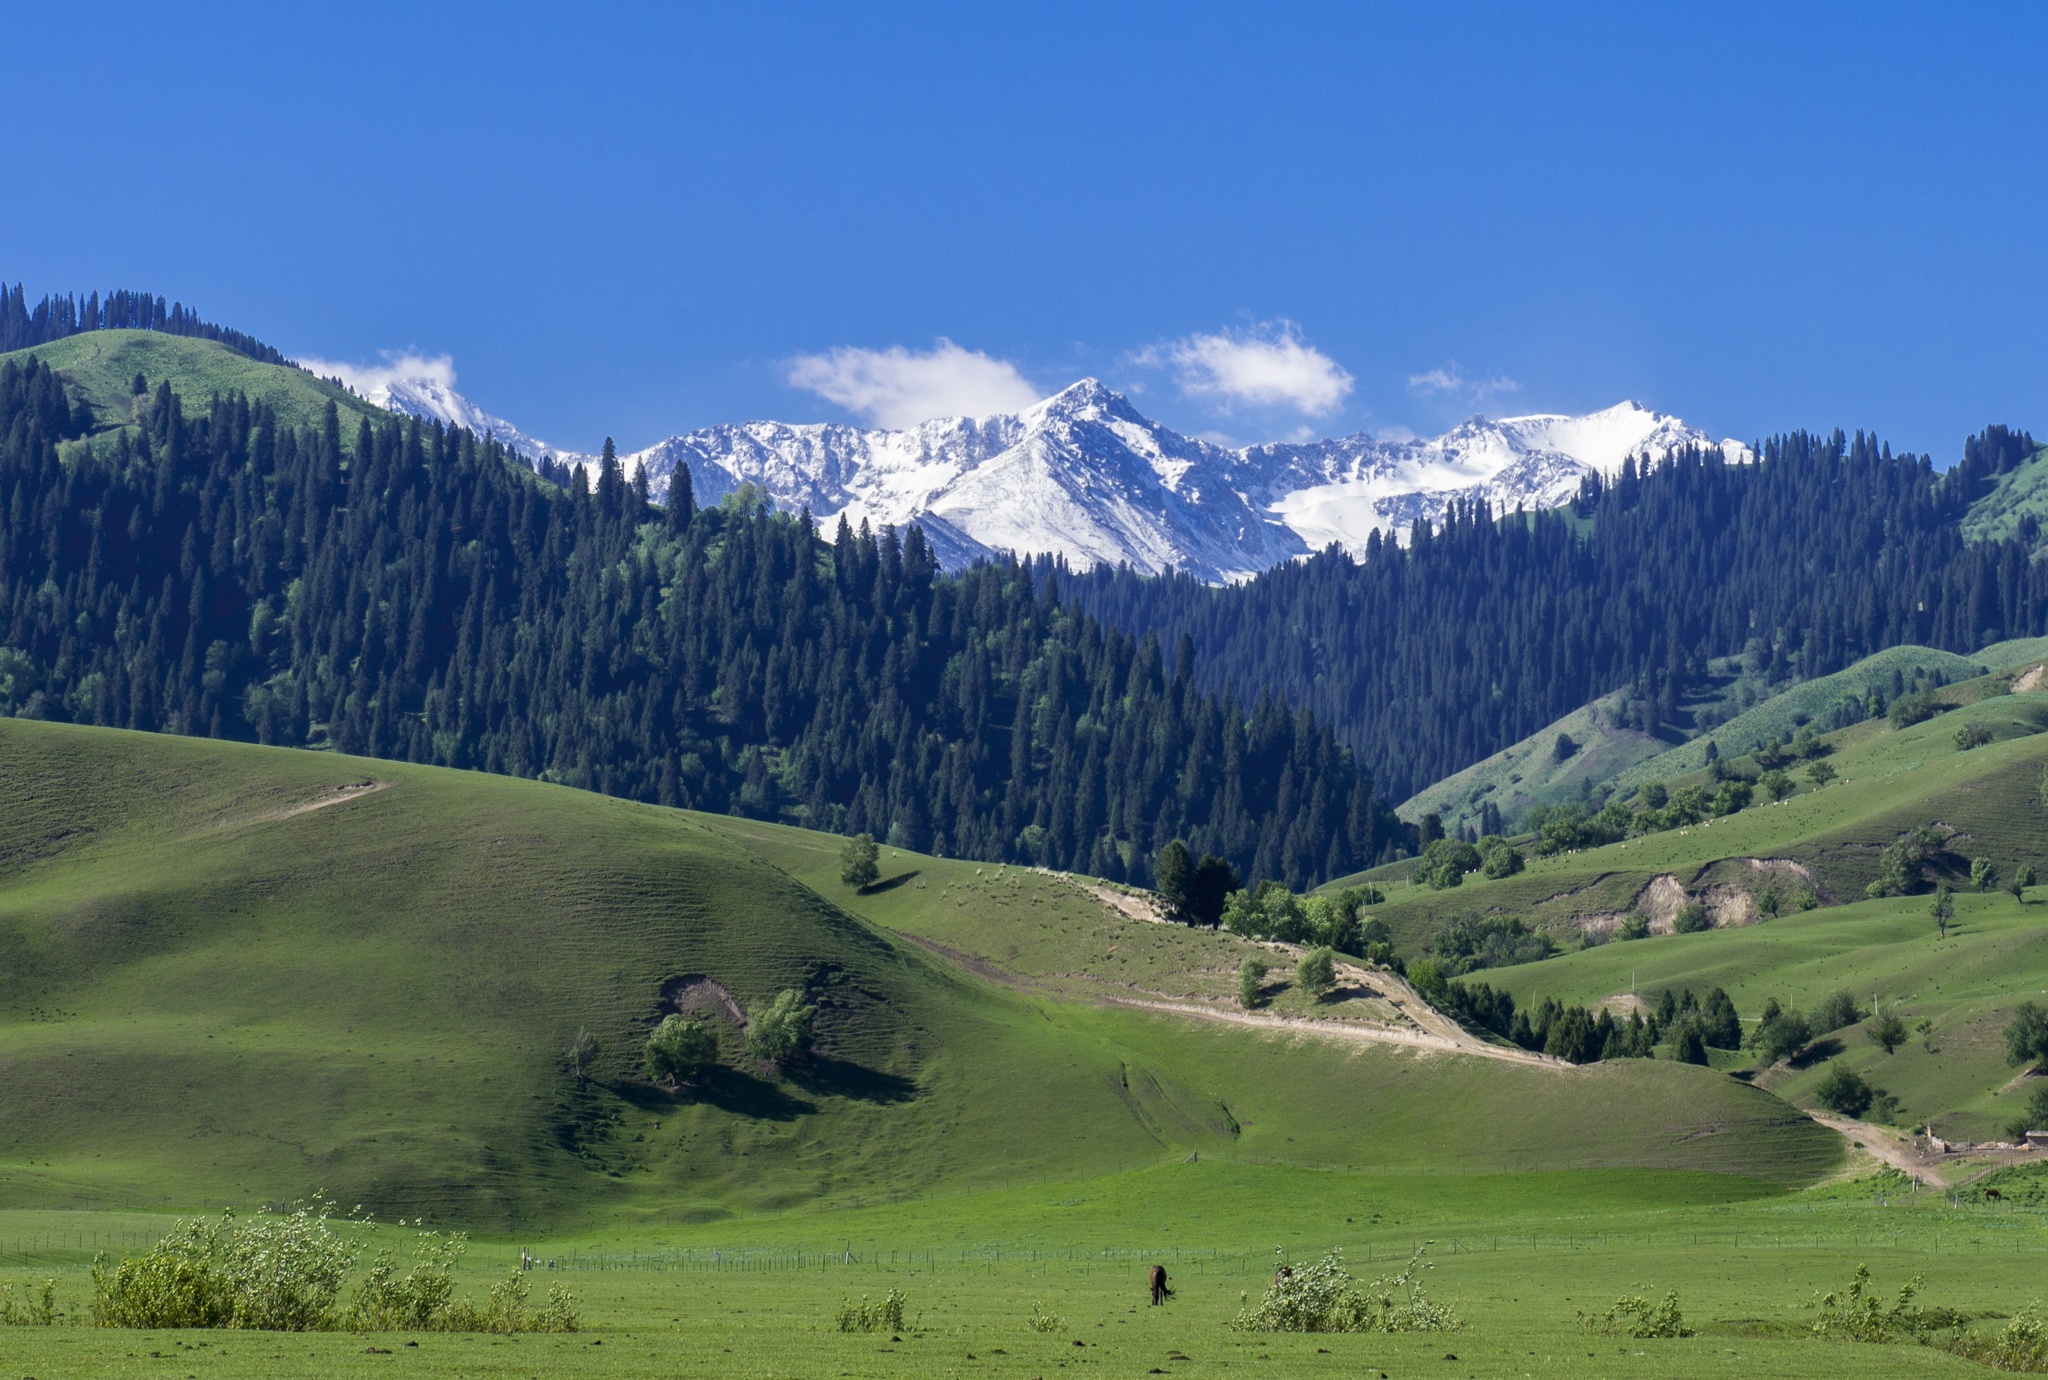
[(413, 594), (1430, 656)]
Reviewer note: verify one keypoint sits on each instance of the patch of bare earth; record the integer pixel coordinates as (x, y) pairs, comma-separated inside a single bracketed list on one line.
[(1932, 1161), (338, 795), (697, 995)]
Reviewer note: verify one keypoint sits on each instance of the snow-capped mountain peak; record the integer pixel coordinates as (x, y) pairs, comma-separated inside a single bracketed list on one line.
[(1084, 475), (425, 387)]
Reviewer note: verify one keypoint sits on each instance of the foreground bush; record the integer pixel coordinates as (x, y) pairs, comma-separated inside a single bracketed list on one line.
[(39, 1309), (284, 1273), (2021, 1345), (886, 1316), (278, 1273), (1635, 1316), (1858, 1314), (1322, 1298)]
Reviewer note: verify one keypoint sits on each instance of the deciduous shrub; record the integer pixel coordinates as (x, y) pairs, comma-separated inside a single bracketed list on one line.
[(1857, 1314), (38, 1308), (418, 1300), (1780, 1034), (281, 1273), (1633, 1315), (1251, 982), (2021, 1345), (2034, 1118), (781, 1030), (1316, 973), (1902, 867), (1837, 1011), (1692, 918), (1498, 858), (1445, 862), (679, 1048), (886, 1316), (2026, 1035), (1322, 1298), (1042, 1320), (860, 862), (1843, 1091), (284, 1272)]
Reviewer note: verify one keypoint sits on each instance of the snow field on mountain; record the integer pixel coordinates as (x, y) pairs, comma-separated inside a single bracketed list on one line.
[(1085, 476)]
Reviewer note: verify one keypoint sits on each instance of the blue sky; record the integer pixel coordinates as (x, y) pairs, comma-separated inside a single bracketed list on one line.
[(1258, 218)]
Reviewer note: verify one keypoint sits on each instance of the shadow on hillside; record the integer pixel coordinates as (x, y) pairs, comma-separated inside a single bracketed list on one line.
[(729, 1090), (823, 1077), (890, 883), (1819, 1052)]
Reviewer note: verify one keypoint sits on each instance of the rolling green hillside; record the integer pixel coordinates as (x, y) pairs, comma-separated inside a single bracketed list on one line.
[(1956, 1078), (102, 365), (1601, 753), (1777, 718), (1983, 802), (241, 973), (1585, 748), (2019, 495)]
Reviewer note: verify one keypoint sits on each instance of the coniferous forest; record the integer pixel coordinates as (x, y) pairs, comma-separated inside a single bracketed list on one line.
[(55, 317), (413, 592), (1481, 630)]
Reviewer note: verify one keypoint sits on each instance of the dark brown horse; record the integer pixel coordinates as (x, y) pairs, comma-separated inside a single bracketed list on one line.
[(1160, 1293)]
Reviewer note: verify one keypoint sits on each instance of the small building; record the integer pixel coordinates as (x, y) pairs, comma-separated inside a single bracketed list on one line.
[(2037, 1140)]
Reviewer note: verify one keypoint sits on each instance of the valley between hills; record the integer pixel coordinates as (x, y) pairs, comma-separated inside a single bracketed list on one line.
[(389, 828)]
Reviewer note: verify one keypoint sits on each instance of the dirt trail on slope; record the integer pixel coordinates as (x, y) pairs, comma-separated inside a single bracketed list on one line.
[(1434, 1032), (1952, 1166), (1133, 907), (340, 795), (1344, 1032), (1887, 1147)]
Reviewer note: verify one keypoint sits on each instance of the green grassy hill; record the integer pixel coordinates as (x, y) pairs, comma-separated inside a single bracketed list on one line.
[(102, 365), (1986, 801), (2020, 494), (1590, 750), (1537, 770), (1956, 1077), (1981, 802), (1777, 718), (235, 973)]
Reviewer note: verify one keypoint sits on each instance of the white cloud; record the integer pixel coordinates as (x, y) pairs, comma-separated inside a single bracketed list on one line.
[(1451, 381), (1269, 366), (898, 388), (372, 382)]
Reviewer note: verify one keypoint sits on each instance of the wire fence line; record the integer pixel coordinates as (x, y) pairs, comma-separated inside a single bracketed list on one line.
[(2010, 1235)]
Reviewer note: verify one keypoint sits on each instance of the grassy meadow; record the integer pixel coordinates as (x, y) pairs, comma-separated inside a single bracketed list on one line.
[(101, 366), (1518, 1256), (236, 975)]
